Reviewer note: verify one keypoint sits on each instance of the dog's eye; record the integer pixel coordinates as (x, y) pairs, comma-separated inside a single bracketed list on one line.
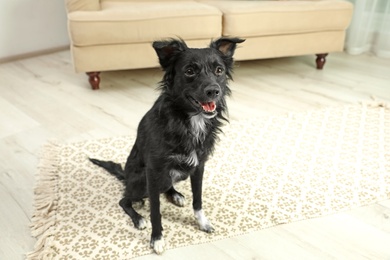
[(189, 72), (218, 71)]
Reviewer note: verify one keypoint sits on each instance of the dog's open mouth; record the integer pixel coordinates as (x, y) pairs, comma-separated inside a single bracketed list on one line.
[(208, 107)]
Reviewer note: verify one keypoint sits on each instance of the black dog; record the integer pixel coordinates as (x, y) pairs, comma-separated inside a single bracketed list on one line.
[(177, 135)]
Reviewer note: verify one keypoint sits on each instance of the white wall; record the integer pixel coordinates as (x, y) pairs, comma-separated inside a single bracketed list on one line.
[(28, 26)]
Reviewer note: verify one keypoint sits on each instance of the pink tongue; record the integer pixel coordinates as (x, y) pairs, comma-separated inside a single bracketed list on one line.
[(209, 106)]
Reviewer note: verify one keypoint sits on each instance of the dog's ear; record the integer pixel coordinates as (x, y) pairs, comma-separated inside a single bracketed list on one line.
[(167, 50), (226, 45)]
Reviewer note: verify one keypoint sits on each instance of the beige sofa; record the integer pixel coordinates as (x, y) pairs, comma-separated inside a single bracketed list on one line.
[(117, 34)]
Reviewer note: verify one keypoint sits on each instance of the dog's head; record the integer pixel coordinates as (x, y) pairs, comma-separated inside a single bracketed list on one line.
[(196, 79)]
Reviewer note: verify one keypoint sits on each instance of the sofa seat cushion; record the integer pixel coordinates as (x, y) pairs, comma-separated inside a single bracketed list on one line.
[(138, 22), (262, 18)]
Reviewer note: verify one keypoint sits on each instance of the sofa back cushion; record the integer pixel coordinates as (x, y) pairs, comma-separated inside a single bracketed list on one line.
[(82, 5), (102, 1)]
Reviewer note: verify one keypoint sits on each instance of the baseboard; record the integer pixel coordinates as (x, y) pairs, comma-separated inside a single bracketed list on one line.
[(33, 54)]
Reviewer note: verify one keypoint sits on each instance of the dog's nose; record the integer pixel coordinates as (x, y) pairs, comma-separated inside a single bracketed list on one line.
[(212, 91)]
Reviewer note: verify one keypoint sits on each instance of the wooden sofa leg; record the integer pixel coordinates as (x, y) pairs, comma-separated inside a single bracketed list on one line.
[(321, 60), (94, 79)]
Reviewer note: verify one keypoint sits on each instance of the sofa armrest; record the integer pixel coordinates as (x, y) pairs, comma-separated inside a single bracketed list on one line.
[(82, 5)]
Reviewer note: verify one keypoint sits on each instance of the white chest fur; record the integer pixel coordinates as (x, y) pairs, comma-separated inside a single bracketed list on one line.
[(198, 127), (190, 160)]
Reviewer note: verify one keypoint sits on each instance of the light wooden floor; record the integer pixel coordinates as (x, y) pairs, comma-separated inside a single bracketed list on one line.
[(42, 98)]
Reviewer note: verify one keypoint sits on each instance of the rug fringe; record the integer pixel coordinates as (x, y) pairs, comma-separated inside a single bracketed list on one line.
[(374, 102), (44, 220)]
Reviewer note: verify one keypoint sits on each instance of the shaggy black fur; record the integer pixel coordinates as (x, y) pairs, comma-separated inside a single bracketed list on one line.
[(177, 135)]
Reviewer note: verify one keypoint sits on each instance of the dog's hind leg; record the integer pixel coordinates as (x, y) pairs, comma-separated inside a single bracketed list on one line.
[(175, 197), (138, 220)]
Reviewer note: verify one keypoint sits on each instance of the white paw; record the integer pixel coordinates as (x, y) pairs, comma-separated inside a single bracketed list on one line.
[(204, 223), (142, 224), (158, 245), (178, 200)]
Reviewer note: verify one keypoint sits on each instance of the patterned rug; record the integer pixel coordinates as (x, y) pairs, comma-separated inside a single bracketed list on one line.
[(265, 172)]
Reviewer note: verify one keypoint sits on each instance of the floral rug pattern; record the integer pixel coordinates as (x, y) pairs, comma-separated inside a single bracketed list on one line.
[(265, 172)]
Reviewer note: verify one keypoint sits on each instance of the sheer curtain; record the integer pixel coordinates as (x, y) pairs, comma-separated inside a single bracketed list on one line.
[(370, 28)]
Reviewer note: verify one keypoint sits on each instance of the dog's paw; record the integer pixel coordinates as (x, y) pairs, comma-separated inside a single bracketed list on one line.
[(141, 223), (158, 245), (208, 228), (204, 223), (178, 199)]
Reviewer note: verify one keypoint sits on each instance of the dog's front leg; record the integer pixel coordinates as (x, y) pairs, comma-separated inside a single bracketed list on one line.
[(157, 239), (196, 185)]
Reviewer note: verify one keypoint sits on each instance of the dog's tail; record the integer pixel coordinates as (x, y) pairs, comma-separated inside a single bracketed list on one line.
[(112, 167)]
